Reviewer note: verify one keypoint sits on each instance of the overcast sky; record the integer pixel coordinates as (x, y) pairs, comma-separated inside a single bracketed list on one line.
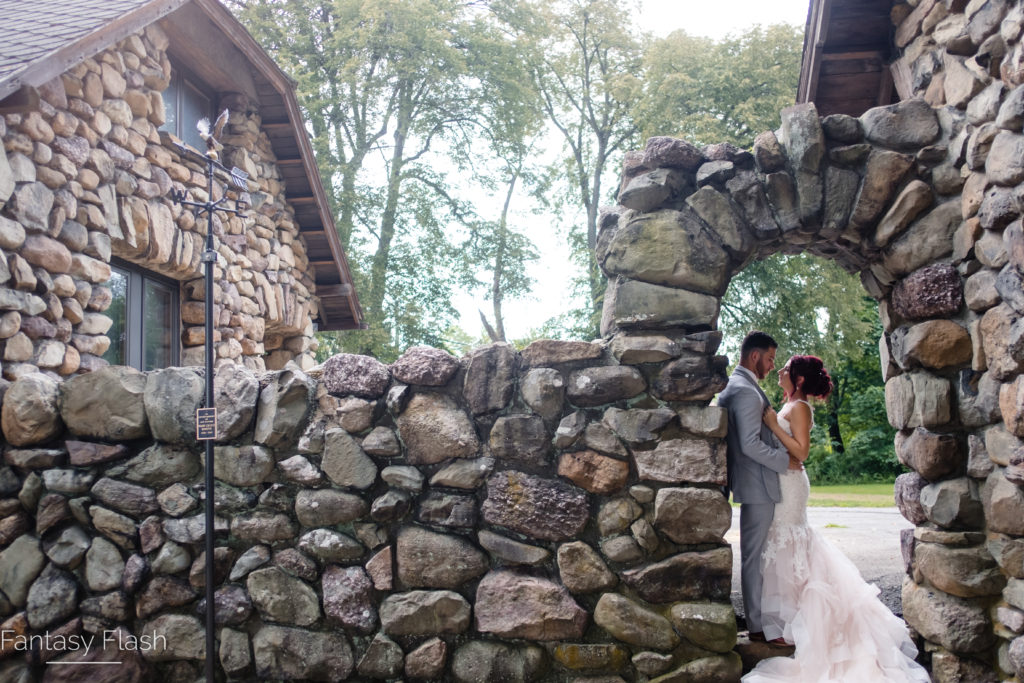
[(712, 18), (716, 18)]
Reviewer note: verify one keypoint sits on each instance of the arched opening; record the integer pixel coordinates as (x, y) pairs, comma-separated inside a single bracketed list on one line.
[(810, 305), (886, 196)]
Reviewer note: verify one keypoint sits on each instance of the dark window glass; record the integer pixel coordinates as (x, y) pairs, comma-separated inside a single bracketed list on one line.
[(117, 354), (145, 315), (186, 100), (158, 325), (194, 106), (171, 97)]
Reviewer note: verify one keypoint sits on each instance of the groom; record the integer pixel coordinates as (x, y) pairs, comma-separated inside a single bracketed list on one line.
[(755, 460)]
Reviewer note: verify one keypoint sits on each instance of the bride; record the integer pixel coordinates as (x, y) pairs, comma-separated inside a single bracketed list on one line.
[(813, 596)]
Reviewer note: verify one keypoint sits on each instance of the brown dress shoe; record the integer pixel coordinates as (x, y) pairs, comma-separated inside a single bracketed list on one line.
[(756, 636)]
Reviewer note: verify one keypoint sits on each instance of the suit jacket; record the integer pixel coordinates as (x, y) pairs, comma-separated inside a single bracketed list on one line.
[(755, 457)]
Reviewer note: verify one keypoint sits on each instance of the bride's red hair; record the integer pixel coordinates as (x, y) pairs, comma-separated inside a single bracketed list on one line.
[(812, 369)]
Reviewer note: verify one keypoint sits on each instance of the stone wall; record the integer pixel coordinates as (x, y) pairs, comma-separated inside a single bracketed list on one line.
[(963, 441), (923, 200), (509, 516), (87, 176)]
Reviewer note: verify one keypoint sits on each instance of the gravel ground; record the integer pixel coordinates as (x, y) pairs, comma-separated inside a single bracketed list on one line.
[(870, 537)]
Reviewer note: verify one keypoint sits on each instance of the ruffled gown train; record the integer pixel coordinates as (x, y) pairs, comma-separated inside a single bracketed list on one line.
[(815, 598)]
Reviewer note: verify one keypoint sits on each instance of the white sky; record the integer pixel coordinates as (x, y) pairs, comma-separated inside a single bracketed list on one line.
[(716, 18), (712, 18)]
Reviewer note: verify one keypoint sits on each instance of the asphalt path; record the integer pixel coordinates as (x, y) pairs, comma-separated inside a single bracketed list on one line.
[(870, 537)]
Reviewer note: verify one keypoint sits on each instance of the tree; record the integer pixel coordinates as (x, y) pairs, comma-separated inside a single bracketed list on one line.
[(586, 64), (506, 253), (496, 252), (808, 304), (386, 87), (710, 91), (867, 453)]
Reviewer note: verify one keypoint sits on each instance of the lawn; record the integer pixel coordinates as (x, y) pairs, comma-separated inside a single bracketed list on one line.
[(849, 496), (852, 496)]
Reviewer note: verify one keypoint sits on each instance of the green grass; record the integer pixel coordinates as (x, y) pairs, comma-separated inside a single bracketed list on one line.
[(852, 496)]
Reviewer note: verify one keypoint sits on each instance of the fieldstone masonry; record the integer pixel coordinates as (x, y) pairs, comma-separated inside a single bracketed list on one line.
[(554, 513), (86, 176), (416, 521)]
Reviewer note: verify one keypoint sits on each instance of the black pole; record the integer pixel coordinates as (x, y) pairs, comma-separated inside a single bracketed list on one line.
[(209, 259), (206, 425)]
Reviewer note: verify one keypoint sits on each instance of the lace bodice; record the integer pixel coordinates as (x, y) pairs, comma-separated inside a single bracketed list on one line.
[(791, 513)]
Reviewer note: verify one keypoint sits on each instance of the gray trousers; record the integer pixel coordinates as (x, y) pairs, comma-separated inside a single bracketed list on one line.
[(755, 520)]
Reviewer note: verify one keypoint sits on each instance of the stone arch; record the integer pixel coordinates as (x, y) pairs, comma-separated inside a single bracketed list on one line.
[(926, 208)]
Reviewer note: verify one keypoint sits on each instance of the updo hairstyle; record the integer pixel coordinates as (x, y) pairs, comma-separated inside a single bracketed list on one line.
[(812, 369)]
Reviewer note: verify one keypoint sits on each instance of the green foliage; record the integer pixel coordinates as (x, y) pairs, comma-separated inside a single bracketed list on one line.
[(859, 403), (393, 94), (726, 91), (417, 105), (586, 64), (811, 306), (497, 252)]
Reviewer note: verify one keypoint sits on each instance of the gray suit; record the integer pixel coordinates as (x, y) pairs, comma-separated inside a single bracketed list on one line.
[(755, 459)]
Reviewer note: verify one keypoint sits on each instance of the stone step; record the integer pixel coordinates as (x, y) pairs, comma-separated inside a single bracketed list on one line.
[(753, 652)]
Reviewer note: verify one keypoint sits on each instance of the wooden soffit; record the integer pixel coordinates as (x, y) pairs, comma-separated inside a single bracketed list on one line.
[(847, 48)]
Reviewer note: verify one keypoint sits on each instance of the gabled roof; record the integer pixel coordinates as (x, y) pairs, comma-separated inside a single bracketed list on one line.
[(845, 67), (42, 39)]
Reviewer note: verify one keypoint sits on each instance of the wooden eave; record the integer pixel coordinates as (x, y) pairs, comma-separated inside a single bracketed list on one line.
[(845, 66), (198, 29), (283, 124)]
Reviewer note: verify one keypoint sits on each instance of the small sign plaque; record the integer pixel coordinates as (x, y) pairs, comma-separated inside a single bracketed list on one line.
[(206, 424)]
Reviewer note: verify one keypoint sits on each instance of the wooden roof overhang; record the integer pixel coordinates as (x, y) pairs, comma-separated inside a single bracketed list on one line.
[(847, 50), (210, 42)]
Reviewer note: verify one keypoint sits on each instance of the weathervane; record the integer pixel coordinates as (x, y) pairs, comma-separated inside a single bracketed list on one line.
[(236, 176), (206, 417)]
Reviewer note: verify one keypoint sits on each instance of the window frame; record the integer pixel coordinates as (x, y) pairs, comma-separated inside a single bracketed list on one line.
[(181, 80), (135, 312)]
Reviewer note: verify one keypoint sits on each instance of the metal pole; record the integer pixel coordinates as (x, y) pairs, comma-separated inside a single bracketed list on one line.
[(206, 424), (209, 259)]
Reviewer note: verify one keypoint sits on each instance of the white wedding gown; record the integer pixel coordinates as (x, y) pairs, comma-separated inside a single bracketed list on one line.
[(815, 598)]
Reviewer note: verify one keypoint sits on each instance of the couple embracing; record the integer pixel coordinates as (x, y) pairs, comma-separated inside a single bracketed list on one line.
[(797, 588)]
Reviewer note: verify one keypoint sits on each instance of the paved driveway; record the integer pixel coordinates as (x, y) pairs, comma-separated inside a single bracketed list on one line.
[(869, 536)]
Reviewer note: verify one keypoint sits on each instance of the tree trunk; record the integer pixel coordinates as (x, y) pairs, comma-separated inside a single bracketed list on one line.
[(497, 333), (835, 436), (491, 334), (379, 265)]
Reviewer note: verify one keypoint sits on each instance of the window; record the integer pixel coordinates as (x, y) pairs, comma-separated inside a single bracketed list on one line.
[(144, 308), (186, 100)]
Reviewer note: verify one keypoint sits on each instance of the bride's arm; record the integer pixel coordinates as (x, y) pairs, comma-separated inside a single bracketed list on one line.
[(799, 444)]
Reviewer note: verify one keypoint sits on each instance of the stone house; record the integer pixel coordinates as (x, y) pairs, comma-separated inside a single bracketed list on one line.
[(99, 264)]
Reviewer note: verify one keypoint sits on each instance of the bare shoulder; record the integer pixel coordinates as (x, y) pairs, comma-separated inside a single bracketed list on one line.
[(799, 410)]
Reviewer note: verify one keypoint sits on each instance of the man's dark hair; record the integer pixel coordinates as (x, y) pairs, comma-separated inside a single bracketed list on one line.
[(756, 340)]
